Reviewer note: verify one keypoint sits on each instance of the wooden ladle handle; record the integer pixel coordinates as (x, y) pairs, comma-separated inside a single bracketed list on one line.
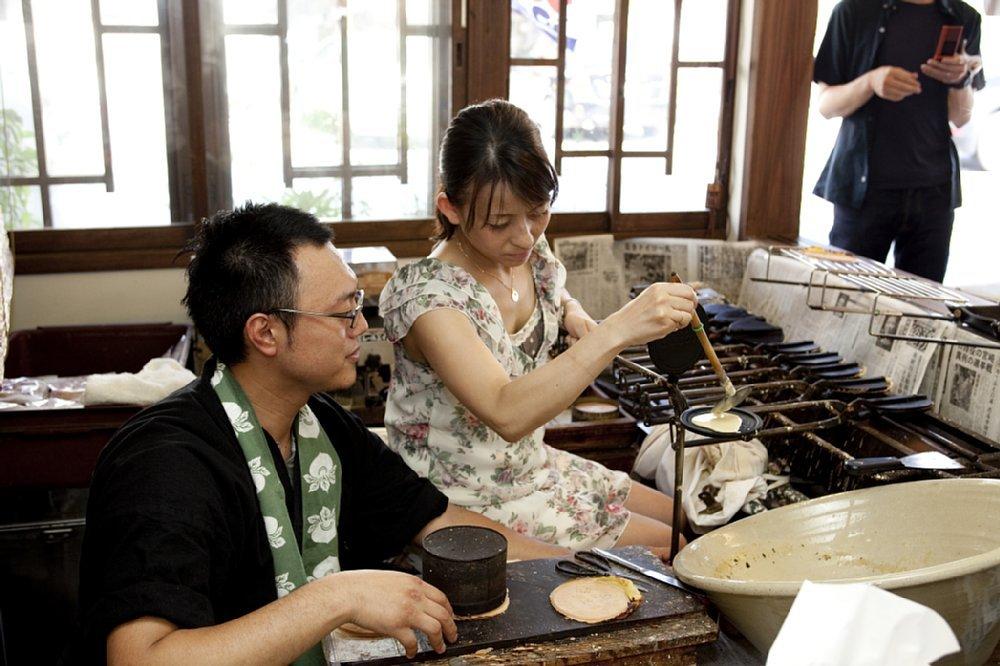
[(713, 358)]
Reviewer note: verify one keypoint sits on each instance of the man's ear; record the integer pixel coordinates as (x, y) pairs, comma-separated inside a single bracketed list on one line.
[(448, 209), (264, 333)]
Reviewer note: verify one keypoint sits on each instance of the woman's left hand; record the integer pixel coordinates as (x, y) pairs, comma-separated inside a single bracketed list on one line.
[(576, 321)]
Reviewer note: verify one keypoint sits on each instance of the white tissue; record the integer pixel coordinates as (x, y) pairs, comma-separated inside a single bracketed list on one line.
[(858, 624)]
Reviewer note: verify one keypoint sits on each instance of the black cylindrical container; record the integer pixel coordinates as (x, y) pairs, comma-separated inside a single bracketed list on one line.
[(469, 564)]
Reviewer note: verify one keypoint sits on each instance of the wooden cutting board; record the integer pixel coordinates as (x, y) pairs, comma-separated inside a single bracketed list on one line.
[(531, 618)]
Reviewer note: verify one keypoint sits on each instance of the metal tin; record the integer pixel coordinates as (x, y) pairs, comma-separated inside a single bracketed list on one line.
[(469, 564)]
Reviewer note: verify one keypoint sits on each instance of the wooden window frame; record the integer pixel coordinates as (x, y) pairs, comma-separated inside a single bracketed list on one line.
[(488, 77), (480, 35)]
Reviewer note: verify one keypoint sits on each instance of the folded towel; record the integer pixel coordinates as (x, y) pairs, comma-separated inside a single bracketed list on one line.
[(157, 379)]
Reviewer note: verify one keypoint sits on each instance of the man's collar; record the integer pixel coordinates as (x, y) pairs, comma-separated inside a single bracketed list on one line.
[(948, 6)]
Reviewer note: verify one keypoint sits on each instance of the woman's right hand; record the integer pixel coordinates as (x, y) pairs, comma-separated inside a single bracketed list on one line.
[(661, 309)]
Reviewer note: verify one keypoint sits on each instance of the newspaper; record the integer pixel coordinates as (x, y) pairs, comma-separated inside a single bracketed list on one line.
[(968, 387), (964, 382), (717, 264), (600, 271), (593, 274), (904, 363)]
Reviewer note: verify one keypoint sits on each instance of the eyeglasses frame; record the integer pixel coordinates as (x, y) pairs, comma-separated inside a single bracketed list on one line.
[(351, 314)]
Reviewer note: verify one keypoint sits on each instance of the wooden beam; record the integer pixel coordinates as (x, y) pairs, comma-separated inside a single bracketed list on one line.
[(487, 66), (778, 106)]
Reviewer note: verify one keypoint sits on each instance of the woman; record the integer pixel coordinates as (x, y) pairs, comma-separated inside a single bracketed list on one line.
[(472, 325)]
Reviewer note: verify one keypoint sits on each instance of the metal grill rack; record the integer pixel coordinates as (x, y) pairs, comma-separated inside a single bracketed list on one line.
[(815, 406), (869, 277)]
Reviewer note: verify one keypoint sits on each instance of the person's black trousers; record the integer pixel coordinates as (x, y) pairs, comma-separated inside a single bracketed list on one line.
[(918, 219)]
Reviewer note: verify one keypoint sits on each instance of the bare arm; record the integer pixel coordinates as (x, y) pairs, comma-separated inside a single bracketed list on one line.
[(514, 408), (960, 105), (519, 547), (889, 83), (951, 70), (576, 321), (390, 602), (843, 100)]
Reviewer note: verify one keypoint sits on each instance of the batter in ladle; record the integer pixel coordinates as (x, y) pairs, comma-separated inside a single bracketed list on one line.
[(724, 422)]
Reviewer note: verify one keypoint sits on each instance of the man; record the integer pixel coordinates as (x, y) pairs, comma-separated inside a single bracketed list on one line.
[(220, 519), (893, 174)]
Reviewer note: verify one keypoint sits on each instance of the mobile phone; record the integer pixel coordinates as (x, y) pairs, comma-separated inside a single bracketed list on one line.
[(948, 41)]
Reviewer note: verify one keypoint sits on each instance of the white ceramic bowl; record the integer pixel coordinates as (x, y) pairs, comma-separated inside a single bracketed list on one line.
[(935, 542)]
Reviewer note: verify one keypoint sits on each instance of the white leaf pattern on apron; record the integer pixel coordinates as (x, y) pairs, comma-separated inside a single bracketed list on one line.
[(322, 473), (238, 416)]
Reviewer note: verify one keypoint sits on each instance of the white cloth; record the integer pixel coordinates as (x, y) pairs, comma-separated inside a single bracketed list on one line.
[(858, 624), (736, 468), (157, 379)]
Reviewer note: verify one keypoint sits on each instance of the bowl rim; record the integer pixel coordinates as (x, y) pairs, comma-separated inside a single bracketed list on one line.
[(923, 575)]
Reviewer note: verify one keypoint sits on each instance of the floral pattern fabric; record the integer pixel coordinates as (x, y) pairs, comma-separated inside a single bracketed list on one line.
[(532, 488), (321, 485)]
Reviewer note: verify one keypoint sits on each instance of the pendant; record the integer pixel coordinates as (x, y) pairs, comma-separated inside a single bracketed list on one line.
[(514, 296)]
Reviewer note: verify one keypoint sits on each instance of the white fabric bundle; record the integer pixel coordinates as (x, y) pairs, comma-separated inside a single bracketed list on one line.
[(157, 379), (736, 468)]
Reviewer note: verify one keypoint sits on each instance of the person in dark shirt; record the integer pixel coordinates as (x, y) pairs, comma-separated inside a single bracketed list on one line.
[(893, 174), (233, 522)]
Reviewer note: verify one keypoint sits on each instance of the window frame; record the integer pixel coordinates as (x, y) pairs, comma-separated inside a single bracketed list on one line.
[(479, 51)]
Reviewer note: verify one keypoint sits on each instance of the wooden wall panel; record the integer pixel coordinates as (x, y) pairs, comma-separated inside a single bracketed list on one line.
[(778, 106), (487, 67)]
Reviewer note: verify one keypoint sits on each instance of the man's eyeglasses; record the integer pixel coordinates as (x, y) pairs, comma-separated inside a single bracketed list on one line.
[(351, 315)]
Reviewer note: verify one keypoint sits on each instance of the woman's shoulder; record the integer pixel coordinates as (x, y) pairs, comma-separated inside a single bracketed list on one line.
[(430, 271), (424, 285), (549, 272), (427, 276)]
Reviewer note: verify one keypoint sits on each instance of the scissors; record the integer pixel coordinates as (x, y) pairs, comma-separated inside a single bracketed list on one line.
[(589, 563)]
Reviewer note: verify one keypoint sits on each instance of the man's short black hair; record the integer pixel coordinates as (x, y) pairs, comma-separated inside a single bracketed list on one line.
[(243, 264)]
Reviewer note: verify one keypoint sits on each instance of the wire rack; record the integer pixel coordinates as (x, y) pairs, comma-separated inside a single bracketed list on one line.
[(834, 272)]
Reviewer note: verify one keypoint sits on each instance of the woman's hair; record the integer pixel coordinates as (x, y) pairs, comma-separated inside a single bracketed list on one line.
[(489, 144)]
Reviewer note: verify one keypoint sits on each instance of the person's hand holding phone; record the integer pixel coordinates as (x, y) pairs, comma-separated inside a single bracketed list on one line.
[(952, 69), (894, 83)]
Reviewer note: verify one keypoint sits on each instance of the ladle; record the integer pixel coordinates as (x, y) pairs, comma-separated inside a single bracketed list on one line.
[(733, 396)]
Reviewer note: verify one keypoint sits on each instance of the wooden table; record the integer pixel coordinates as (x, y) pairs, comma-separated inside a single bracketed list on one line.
[(672, 641), (667, 628)]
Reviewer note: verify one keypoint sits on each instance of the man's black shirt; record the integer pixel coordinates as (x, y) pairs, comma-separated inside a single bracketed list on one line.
[(911, 137), (851, 47), (174, 528)]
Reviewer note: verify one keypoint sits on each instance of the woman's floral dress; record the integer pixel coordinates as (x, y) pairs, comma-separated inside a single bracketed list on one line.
[(531, 487)]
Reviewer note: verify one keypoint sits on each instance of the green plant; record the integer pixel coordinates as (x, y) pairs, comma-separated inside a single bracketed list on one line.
[(17, 158), (323, 204), (323, 121)]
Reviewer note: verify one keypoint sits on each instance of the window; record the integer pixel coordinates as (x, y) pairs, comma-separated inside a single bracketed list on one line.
[(84, 111), (119, 114), (334, 107), (630, 96)]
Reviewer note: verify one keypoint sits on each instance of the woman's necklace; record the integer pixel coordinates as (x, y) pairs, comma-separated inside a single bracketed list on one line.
[(514, 296)]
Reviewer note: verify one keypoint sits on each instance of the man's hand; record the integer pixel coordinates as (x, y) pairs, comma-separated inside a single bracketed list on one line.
[(952, 69), (394, 604), (893, 83)]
